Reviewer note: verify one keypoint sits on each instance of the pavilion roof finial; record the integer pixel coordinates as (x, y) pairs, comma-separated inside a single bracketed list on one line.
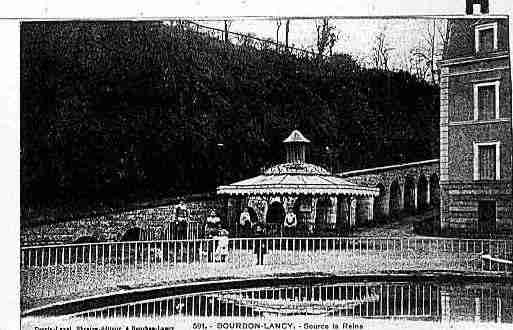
[(295, 146), (296, 136)]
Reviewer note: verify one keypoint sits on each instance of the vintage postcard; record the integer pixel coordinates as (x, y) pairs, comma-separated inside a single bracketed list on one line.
[(266, 172)]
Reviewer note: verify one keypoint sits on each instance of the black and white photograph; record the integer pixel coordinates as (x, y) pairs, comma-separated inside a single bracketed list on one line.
[(266, 172)]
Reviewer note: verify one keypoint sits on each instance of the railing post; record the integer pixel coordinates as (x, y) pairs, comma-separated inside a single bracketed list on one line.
[(161, 254), (402, 250), (56, 266)]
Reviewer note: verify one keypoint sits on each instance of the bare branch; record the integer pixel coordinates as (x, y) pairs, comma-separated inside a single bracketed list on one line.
[(326, 37), (380, 53)]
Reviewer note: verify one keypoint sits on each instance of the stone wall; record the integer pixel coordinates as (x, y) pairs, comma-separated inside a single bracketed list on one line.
[(385, 177), (112, 226)]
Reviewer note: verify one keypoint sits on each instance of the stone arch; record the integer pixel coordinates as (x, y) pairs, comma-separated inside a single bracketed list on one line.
[(434, 190), (302, 209), (87, 235), (394, 203), (422, 192), (409, 193), (275, 213), (86, 239), (323, 212), (132, 234), (380, 202)]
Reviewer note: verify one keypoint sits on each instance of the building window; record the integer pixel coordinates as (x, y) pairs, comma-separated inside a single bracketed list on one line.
[(487, 216), (486, 37), (486, 101), (487, 161)]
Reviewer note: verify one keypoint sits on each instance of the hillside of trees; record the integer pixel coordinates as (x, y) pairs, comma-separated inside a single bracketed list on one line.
[(129, 110)]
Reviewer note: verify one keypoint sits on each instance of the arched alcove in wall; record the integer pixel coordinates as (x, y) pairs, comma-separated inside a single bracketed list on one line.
[(379, 202), (395, 198), (434, 190), (86, 239), (409, 193), (132, 234), (422, 193)]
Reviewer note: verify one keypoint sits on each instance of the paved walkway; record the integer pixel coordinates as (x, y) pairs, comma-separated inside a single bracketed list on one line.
[(397, 228)]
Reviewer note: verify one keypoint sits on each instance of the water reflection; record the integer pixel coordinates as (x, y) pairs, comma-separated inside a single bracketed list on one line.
[(411, 301)]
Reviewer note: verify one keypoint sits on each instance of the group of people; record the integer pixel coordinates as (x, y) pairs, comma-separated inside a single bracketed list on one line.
[(248, 227), (217, 249), (180, 222), (182, 218)]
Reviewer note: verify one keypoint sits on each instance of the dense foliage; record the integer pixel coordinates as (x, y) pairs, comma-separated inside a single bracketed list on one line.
[(112, 110)]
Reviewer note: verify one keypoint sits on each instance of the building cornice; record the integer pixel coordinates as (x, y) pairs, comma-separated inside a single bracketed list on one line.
[(390, 167), (481, 122), (472, 59)]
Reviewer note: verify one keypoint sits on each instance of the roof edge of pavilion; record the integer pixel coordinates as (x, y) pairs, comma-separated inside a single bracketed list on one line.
[(298, 190), (296, 177)]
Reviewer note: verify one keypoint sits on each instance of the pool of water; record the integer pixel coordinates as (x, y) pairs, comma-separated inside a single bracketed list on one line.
[(426, 300)]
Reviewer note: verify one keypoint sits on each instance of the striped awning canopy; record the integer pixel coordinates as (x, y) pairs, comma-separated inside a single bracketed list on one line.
[(296, 179)]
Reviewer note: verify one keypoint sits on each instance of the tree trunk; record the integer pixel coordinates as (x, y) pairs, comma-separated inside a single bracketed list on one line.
[(287, 34), (226, 39)]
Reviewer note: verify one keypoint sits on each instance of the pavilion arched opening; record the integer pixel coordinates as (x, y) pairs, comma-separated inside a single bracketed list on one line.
[(275, 217), (395, 198), (434, 190), (323, 214), (302, 209), (252, 214)]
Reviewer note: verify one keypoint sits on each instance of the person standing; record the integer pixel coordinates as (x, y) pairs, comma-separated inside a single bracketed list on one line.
[(181, 219), (245, 223), (221, 245), (290, 224), (212, 230), (260, 243), (213, 222)]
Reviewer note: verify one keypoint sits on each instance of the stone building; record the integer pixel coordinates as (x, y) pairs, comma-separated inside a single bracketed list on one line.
[(322, 202), (476, 127)]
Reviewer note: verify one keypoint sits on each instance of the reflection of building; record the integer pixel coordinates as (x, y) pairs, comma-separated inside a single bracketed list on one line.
[(298, 305), (476, 127), (478, 303), (427, 301), (320, 200)]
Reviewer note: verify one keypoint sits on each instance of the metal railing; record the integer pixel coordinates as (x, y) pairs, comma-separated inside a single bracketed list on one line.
[(302, 229), (247, 40), (65, 270), (186, 230)]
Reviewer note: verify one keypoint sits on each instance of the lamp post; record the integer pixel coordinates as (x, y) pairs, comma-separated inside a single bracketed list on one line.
[(329, 152), (219, 148)]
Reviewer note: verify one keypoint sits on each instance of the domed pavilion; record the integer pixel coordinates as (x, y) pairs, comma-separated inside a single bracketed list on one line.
[(322, 202)]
